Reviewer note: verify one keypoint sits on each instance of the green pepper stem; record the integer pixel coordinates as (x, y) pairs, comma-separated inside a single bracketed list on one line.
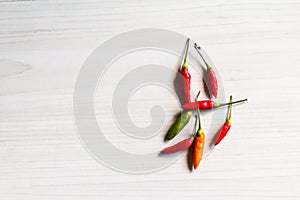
[(187, 49), (185, 65), (209, 68), (194, 131), (198, 112), (230, 110), (216, 105)]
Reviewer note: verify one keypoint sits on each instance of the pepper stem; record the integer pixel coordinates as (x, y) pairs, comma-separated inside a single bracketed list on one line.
[(198, 113), (198, 50), (185, 65), (216, 105), (194, 131), (230, 111)]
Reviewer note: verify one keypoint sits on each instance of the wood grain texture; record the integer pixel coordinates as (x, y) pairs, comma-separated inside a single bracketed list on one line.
[(255, 46)]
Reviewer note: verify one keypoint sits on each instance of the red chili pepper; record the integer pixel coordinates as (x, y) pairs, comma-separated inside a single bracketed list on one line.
[(211, 76), (185, 80), (180, 146), (199, 142), (207, 104), (226, 127)]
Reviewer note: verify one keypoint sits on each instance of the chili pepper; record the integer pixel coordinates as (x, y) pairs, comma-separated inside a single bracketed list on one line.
[(185, 80), (179, 124), (198, 142), (207, 104), (226, 127), (198, 149), (180, 146), (211, 76)]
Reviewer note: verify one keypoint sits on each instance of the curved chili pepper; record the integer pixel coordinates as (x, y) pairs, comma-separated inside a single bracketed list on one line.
[(199, 142), (207, 104), (180, 146), (179, 124), (226, 127), (211, 76), (223, 132), (185, 80)]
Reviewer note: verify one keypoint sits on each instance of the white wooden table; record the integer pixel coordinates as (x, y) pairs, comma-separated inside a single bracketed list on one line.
[(43, 45)]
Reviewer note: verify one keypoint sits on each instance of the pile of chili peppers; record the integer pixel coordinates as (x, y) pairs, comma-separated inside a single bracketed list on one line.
[(197, 139)]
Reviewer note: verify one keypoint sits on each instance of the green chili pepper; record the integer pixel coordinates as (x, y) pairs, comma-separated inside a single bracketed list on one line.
[(179, 124)]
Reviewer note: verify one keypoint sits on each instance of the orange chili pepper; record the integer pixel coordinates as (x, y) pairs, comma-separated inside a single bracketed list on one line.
[(198, 148), (199, 141)]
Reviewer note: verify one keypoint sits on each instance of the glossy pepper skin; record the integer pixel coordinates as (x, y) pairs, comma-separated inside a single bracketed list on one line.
[(207, 104), (185, 84), (210, 74), (199, 142), (179, 124), (185, 78), (226, 127), (203, 105), (180, 146), (198, 149), (212, 80), (223, 132)]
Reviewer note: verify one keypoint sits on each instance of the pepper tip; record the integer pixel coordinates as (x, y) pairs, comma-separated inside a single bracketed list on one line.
[(196, 166)]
